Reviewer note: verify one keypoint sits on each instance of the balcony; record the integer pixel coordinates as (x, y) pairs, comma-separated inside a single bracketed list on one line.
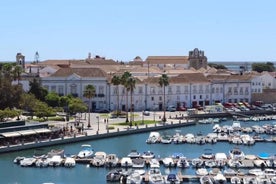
[(100, 95)]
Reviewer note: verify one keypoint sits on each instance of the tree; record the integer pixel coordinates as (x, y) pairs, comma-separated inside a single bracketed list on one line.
[(52, 99), (16, 72), (42, 110), (130, 86), (163, 82), (260, 67), (89, 93), (116, 81), (38, 90), (124, 80), (27, 102), (217, 66), (77, 105)]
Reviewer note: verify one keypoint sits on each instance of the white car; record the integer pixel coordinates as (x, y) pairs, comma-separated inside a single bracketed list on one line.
[(171, 108)]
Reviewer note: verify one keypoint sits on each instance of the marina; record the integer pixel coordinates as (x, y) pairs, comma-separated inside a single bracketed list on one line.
[(123, 145)]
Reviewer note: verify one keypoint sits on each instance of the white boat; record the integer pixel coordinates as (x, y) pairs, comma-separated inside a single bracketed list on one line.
[(154, 137), (42, 162), (166, 139), (172, 178), (197, 162), (236, 125), (269, 172), (189, 138), (219, 178), (155, 176), (18, 159), (148, 155), (168, 162), (273, 180), (111, 160), (99, 159), (86, 151), (138, 163), (249, 180), (55, 161), (126, 162), (54, 152), (134, 177), (182, 162), (236, 153), (208, 154), (221, 159), (229, 172), (235, 163), (211, 138), (217, 128), (263, 180), (256, 172), (210, 163), (27, 162), (206, 179), (201, 172), (114, 175), (200, 139), (134, 154), (154, 163), (235, 180), (236, 140), (69, 162), (247, 139)]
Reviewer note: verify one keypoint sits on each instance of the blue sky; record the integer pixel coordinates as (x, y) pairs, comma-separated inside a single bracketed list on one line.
[(237, 30)]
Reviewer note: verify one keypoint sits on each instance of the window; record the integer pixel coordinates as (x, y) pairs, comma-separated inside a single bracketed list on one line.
[(152, 98), (152, 90), (140, 90), (241, 91), (217, 89), (160, 91), (60, 90), (194, 89), (101, 90), (186, 89), (115, 90), (200, 96), (178, 90), (200, 89), (53, 88), (206, 89), (194, 97), (213, 90), (235, 90), (160, 98), (169, 89)]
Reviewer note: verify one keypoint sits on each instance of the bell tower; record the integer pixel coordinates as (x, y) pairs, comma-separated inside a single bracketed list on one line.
[(197, 59), (20, 60)]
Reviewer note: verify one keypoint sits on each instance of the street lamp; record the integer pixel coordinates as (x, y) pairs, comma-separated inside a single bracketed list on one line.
[(143, 117), (98, 123)]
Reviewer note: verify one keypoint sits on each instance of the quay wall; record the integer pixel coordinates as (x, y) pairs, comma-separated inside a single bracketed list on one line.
[(107, 134)]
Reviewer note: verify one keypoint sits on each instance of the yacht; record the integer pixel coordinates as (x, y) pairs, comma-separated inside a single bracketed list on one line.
[(182, 162), (154, 163), (111, 160), (126, 162), (69, 162), (236, 154), (168, 162), (99, 159), (154, 137), (201, 172), (138, 163), (148, 155), (155, 176), (55, 161), (134, 154)]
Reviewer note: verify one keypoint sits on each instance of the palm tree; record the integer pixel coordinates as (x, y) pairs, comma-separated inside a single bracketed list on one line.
[(16, 72), (130, 86), (116, 80), (163, 82), (124, 80), (89, 93)]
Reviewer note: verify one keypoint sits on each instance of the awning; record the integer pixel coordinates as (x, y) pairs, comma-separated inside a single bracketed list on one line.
[(27, 132), (42, 130), (11, 134)]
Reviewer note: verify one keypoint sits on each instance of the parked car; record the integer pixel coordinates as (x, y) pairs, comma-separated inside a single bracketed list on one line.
[(171, 108), (146, 113), (181, 108)]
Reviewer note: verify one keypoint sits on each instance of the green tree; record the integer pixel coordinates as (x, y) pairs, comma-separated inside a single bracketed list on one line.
[(77, 105), (116, 81), (42, 110), (124, 79), (260, 67), (163, 82), (16, 73), (89, 93), (217, 66), (36, 89), (27, 102), (130, 86), (52, 99)]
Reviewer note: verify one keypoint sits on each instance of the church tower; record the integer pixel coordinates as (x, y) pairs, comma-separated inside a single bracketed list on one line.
[(20, 60), (197, 59)]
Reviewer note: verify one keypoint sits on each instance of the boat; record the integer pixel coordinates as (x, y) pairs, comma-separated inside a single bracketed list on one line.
[(229, 172), (220, 159), (211, 138), (201, 172), (263, 180), (27, 162), (126, 162), (219, 178), (264, 156), (155, 176), (249, 180), (99, 159), (54, 152), (189, 138), (168, 162), (210, 163), (55, 161), (42, 162), (200, 139), (236, 153), (208, 154), (154, 163), (114, 175), (247, 139), (18, 159), (269, 172), (172, 178), (111, 160), (148, 155), (206, 179), (236, 125), (256, 172), (69, 162), (236, 140), (86, 151), (138, 163), (166, 139), (134, 154), (182, 162), (235, 180), (235, 163), (197, 162), (154, 137), (134, 177), (273, 180)]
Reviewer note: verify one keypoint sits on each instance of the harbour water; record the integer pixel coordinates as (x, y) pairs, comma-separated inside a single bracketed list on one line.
[(11, 173)]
